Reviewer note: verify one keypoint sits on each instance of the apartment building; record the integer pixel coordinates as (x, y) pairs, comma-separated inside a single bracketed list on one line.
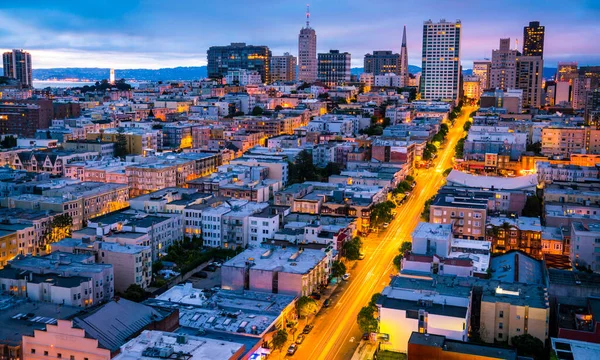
[(10, 246), (50, 161), (548, 173), (333, 68), (132, 264), (264, 224), (585, 245), (95, 280), (465, 212), (564, 141), (522, 233), (138, 141), (290, 271), (283, 68)]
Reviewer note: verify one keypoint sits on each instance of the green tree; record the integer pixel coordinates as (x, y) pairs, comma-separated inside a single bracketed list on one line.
[(257, 111), (331, 168), (279, 339), (459, 148), (302, 169), (447, 172), (528, 345), (306, 306), (121, 144), (405, 247), (398, 262), (135, 293), (374, 299), (278, 108), (535, 147), (338, 269), (351, 249), (58, 229), (366, 319), (8, 142), (382, 213), (157, 266), (533, 207), (467, 126)]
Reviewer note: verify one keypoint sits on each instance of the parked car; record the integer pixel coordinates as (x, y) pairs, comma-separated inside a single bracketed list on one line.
[(201, 274), (307, 329), (210, 268), (385, 225), (292, 349), (315, 296), (327, 303), (365, 336), (361, 256), (300, 339), (346, 276)]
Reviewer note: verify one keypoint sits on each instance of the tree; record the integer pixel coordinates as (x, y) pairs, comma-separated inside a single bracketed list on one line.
[(8, 142), (135, 293), (157, 266), (366, 319), (533, 207), (405, 247), (447, 172), (398, 261), (467, 126), (374, 299), (331, 168), (302, 169), (121, 144), (257, 111), (352, 248), (279, 339), (536, 148), (278, 108), (306, 306), (528, 345), (338, 269), (58, 229), (382, 213)]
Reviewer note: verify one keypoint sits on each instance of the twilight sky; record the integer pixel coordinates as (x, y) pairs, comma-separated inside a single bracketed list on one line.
[(157, 33)]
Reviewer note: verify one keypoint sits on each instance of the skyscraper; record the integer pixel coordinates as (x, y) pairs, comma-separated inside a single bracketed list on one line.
[(404, 75), (111, 76), (529, 79), (503, 71), (334, 67), (440, 73), (382, 62), (283, 68), (566, 71), (533, 39), (482, 69), (237, 56), (17, 65), (307, 52)]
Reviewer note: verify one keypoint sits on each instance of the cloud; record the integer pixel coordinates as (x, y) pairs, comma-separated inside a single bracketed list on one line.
[(154, 34)]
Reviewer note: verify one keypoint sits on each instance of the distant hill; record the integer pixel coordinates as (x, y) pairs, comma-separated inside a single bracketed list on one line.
[(178, 73)]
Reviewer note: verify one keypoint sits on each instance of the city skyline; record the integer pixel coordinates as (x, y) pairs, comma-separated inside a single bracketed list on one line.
[(157, 35)]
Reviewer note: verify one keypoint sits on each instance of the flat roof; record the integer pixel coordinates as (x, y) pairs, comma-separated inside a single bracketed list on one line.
[(20, 316), (289, 259), (461, 347), (149, 344), (516, 266), (460, 178), (427, 230), (567, 349), (522, 223)]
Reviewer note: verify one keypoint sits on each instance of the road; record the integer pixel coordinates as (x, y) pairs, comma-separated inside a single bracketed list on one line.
[(336, 334)]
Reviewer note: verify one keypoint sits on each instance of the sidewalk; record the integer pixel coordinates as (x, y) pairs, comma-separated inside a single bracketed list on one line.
[(365, 350)]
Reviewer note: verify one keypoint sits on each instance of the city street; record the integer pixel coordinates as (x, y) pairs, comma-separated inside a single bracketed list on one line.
[(336, 334)]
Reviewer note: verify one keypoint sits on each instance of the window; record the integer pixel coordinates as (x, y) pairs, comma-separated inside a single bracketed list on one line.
[(501, 314), (59, 355), (500, 326), (500, 336), (518, 330), (33, 351), (45, 353)]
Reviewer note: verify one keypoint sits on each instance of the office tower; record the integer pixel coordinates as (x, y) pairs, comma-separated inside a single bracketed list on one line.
[(529, 79), (503, 71), (382, 62), (111, 76), (307, 52), (334, 67), (283, 68), (17, 65), (404, 74), (440, 73), (482, 69), (566, 71), (222, 59), (533, 39)]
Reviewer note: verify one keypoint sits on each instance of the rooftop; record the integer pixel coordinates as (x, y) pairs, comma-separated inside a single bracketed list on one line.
[(160, 345), (460, 178), (523, 223), (461, 347), (425, 230), (58, 262), (575, 350), (517, 267), (20, 316), (290, 259)]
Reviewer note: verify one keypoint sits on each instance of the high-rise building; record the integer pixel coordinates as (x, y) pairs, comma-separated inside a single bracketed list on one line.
[(283, 68), (533, 39), (111, 76), (482, 69), (382, 62), (307, 52), (503, 71), (529, 79), (334, 67), (566, 71), (440, 72), (17, 65), (404, 74), (237, 56)]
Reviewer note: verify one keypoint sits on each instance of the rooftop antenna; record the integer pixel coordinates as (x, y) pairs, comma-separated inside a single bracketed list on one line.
[(307, 16)]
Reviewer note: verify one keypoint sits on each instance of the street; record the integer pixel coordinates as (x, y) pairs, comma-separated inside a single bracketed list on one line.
[(336, 334)]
